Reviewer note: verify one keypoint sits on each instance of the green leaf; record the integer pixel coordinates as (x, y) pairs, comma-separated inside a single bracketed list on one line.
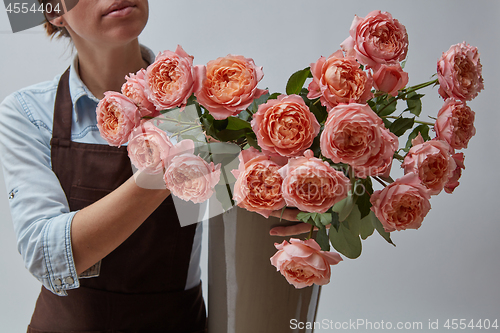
[(384, 106), (361, 226), (387, 122), (423, 130), (252, 140), (366, 227), (345, 241), (232, 135), (380, 228), (401, 125), (254, 107), (335, 220), (414, 102), (344, 207), (325, 218), (235, 123), (322, 239), (306, 217), (363, 203), (274, 95), (296, 81), (319, 112)]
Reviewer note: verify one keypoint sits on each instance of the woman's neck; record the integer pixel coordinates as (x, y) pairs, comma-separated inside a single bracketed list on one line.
[(104, 69)]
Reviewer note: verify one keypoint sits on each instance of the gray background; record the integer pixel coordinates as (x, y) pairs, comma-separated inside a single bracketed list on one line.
[(447, 269)]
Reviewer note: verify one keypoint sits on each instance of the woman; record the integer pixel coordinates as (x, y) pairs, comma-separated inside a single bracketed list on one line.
[(111, 256)]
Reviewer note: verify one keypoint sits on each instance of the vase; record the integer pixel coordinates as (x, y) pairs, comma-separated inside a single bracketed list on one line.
[(245, 292)]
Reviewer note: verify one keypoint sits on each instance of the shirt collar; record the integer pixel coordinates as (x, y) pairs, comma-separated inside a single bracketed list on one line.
[(78, 89)]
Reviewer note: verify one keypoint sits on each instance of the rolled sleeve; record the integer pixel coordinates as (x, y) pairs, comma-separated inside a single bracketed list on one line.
[(38, 204)]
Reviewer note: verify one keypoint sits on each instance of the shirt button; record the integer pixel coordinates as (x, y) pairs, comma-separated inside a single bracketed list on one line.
[(57, 282), (11, 195), (69, 280)]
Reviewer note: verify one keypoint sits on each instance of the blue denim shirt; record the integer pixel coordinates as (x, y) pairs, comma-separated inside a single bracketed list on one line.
[(39, 208)]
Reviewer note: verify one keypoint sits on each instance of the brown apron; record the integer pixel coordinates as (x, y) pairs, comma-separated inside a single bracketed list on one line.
[(140, 287)]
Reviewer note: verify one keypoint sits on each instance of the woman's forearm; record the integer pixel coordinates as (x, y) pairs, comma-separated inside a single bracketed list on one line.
[(101, 227)]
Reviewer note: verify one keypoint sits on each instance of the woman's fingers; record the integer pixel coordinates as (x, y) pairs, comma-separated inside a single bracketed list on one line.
[(289, 214), (291, 230)]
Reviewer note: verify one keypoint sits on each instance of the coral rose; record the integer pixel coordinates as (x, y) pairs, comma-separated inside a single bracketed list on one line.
[(285, 126), (148, 148), (431, 161), (402, 204), (453, 181), (339, 79), (258, 183), (376, 39), (460, 72), (303, 264), (228, 85), (355, 135), (455, 123), (191, 178), (389, 78), (117, 116), (133, 88), (311, 184), (170, 79)]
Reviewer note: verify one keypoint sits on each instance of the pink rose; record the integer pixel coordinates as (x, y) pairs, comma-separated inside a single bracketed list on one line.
[(258, 183), (339, 79), (133, 88), (389, 78), (285, 126), (148, 148), (228, 85), (312, 185), (170, 79), (460, 73), (455, 124), (431, 161), (191, 178), (303, 264), (402, 204), (117, 116), (355, 135), (376, 39), (453, 181)]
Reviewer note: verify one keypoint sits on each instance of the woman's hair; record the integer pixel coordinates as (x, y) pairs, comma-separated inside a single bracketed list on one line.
[(53, 30)]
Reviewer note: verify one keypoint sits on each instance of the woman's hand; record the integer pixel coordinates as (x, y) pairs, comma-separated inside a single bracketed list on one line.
[(296, 229)]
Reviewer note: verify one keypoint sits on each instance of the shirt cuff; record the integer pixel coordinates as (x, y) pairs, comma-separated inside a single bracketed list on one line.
[(58, 256)]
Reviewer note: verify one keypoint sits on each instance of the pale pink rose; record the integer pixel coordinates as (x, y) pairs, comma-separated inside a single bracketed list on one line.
[(376, 39), (133, 88), (339, 79), (389, 78), (285, 126), (460, 72), (453, 182), (455, 123), (431, 162), (402, 204), (170, 79), (355, 135), (148, 148), (258, 183), (228, 85), (191, 178), (303, 264), (117, 116), (311, 184)]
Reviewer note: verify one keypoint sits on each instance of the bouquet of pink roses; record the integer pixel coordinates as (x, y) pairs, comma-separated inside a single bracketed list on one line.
[(317, 149)]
